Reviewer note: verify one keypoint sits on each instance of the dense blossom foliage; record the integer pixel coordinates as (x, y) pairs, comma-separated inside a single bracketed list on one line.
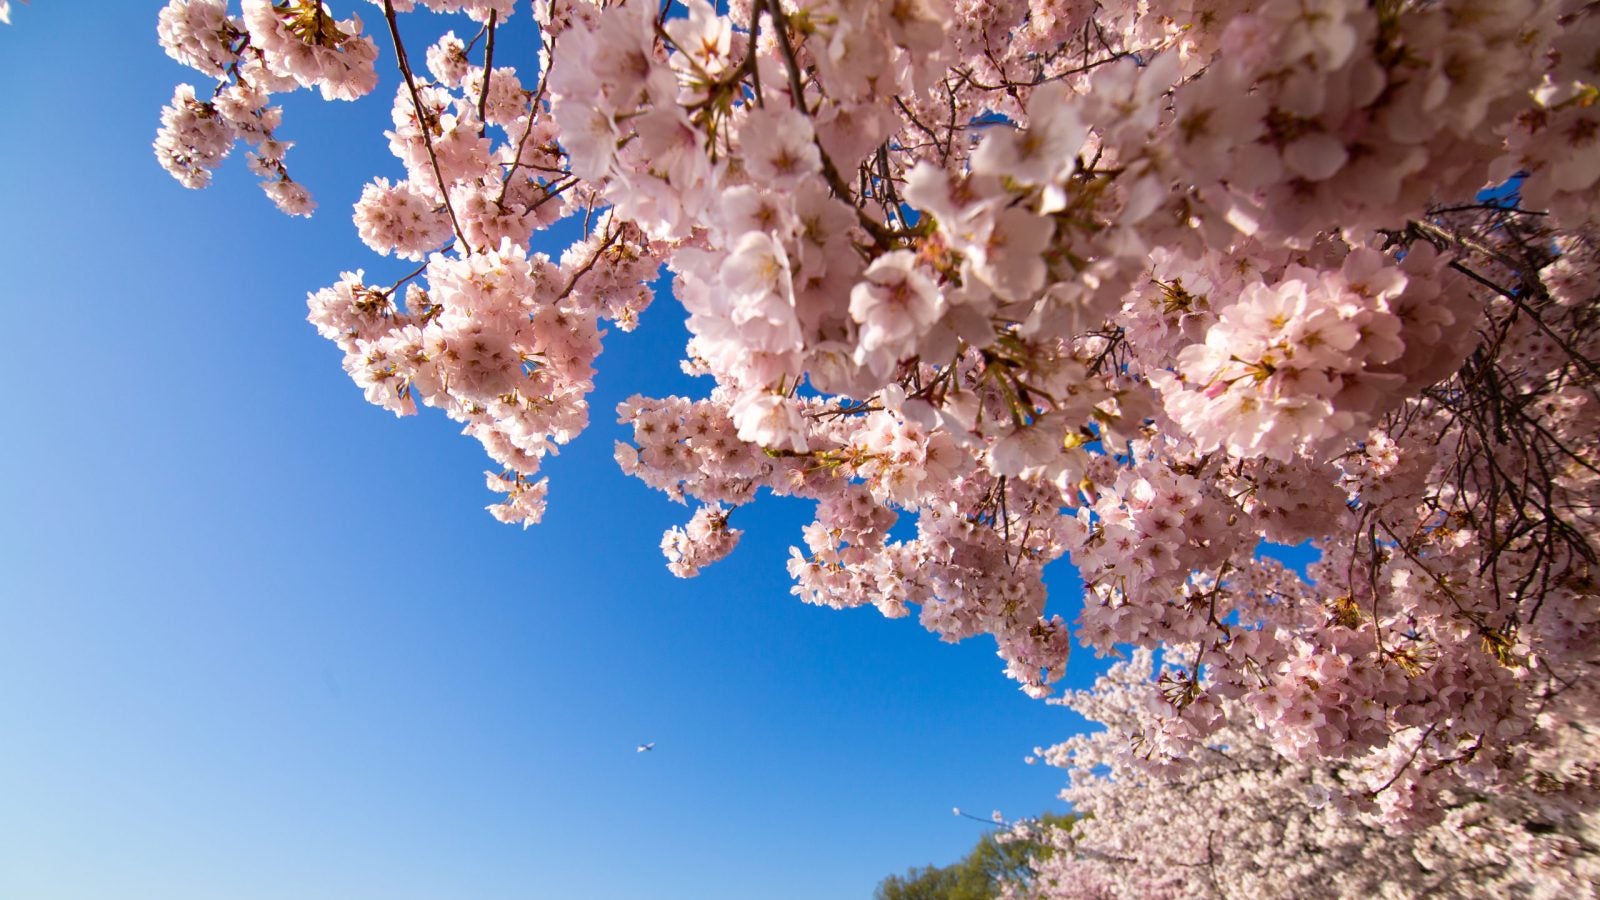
[(1140, 285), (1247, 820)]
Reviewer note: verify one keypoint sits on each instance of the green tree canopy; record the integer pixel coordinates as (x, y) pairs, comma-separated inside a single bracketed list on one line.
[(977, 876)]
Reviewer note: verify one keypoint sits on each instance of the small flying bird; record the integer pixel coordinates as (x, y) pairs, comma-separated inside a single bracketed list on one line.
[(645, 748)]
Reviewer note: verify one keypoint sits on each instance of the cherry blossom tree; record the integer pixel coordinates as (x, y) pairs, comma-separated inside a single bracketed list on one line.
[(1246, 820), (1138, 285)]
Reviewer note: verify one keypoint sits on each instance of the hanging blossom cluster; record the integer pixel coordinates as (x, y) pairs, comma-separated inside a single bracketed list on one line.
[(1134, 285), (275, 47), (1246, 820)]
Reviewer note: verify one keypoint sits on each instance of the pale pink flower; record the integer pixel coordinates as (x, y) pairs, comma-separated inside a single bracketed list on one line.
[(778, 147), (1043, 151), (894, 305)]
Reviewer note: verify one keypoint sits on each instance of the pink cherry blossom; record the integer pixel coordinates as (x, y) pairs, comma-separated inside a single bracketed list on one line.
[(1135, 287)]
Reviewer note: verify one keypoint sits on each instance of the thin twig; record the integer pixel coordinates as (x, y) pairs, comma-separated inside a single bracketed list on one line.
[(422, 120)]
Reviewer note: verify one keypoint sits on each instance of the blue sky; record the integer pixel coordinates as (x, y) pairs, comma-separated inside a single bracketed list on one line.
[(259, 639)]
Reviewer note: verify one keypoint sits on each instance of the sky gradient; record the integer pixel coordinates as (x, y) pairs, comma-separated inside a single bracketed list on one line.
[(258, 639)]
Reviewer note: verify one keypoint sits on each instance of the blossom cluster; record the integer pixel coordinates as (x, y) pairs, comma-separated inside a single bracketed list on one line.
[(1132, 285), (272, 48)]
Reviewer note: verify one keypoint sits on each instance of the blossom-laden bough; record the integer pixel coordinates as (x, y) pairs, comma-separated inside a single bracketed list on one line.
[(1139, 285)]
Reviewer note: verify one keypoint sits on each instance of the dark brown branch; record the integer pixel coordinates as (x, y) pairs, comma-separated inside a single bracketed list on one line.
[(488, 72), (422, 120)]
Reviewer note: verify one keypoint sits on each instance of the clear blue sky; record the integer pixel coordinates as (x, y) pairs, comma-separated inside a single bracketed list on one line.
[(259, 639)]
